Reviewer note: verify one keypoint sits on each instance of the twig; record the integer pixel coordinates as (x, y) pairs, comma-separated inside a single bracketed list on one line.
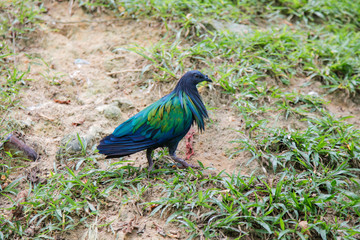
[(70, 7), (124, 71), (264, 59), (89, 21), (14, 45), (13, 143), (5, 115), (45, 117)]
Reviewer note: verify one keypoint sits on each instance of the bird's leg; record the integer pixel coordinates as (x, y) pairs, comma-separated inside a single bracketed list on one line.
[(149, 158), (182, 162), (172, 150), (189, 148)]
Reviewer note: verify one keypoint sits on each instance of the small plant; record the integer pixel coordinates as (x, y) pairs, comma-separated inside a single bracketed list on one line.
[(19, 18)]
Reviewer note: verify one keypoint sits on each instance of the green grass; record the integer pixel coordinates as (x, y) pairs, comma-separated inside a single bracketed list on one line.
[(231, 205), (326, 53), (240, 206), (280, 54), (314, 164), (19, 18), (327, 142), (311, 189), (334, 13)]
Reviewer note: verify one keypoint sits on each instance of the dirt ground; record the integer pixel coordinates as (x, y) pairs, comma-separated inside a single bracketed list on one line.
[(81, 85), (73, 60), (91, 87)]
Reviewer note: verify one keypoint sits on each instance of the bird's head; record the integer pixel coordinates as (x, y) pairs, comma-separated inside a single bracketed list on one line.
[(194, 77)]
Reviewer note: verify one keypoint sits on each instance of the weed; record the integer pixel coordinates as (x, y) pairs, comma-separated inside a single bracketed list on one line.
[(19, 18)]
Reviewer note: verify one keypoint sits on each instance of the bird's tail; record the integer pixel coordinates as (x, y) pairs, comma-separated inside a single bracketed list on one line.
[(114, 147)]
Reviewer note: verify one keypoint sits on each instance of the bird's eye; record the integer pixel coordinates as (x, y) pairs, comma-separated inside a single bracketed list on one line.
[(196, 75)]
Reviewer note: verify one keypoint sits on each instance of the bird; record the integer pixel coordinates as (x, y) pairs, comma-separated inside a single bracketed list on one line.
[(162, 124)]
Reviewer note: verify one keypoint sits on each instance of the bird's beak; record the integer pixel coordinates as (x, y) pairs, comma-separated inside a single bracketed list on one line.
[(207, 78)]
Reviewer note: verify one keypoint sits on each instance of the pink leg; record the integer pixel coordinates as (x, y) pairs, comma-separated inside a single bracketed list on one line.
[(189, 148)]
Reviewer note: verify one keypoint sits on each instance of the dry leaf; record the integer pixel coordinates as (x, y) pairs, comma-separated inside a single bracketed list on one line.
[(62, 101), (78, 123), (153, 206), (129, 227), (159, 230), (304, 227), (33, 175)]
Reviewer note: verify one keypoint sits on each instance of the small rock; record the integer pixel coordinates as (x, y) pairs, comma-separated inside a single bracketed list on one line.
[(70, 144), (76, 76), (236, 28), (124, 104), (101, 108), (92, 133), (80, 61), (313, 94), (27, 123), (240, 29), (114, 64), (110, 111), (214, 25)]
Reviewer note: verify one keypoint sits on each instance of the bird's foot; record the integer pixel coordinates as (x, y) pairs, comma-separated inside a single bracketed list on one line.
[(183, 163), (150, 168), (149, 158)]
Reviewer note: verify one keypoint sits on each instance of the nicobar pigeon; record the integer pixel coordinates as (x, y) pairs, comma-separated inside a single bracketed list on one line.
[(162, 124)]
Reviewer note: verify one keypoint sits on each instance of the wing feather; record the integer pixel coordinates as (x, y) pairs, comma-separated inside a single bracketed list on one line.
[(163, 121)]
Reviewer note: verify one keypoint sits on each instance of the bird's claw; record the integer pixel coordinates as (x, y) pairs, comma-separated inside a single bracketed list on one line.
[(189, 166), (183, 163), (150, 168)]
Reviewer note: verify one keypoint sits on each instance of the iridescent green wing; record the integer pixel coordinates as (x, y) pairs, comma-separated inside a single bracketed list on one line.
[(162, 121)]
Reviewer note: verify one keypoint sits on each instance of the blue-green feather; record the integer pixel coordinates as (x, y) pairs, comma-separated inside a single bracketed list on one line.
[(167, 120)]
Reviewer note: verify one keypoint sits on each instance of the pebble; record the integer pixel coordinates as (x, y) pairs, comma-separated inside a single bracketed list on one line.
[(80, 61), (313, 94), (111, 112), (70, 144), (124, 104)]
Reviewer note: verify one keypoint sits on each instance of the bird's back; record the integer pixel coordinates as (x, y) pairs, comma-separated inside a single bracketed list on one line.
[(167, 120)]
